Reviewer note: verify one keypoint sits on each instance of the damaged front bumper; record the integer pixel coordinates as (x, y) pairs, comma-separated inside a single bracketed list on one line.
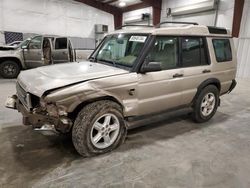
[(39, 120)]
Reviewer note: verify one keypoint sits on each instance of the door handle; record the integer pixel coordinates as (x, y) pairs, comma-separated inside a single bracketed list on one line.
[(177, 75), (206, 71), (64, 53)]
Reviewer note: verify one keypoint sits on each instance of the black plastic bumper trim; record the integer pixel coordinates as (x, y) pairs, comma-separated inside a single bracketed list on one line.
[(234, 83)]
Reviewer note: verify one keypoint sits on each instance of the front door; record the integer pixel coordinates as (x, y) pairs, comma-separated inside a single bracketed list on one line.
[(61, 50), (162, 90), (33, 55)]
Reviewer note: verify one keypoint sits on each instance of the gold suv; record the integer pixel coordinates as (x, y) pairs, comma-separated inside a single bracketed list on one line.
[(132, 73)]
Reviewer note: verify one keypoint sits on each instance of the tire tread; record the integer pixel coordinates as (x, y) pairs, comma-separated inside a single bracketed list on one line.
[(82, 124)]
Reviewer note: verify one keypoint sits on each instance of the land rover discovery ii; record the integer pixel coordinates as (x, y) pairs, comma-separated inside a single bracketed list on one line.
[(132, 73)]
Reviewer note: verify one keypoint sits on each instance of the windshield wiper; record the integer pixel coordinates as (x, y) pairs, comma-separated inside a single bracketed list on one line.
[(108, 61)]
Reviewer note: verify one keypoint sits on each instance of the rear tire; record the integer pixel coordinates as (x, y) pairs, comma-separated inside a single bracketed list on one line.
[(99, 128), (206, 104), (9, 69)]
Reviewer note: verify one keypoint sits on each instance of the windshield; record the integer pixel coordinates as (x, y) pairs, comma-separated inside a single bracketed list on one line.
[(121, 49)]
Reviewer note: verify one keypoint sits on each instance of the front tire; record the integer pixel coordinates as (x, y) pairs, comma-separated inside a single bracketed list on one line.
[(206, 104), (9, 69), (99, 128)]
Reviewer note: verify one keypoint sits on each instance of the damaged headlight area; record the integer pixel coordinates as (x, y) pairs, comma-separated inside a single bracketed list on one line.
[(52, 109), (49, 114)]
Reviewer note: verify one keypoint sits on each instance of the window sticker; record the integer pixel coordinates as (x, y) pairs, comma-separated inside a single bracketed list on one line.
[(138, 39)]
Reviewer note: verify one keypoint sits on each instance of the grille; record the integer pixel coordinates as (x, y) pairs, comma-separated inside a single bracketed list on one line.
[(24, 97)]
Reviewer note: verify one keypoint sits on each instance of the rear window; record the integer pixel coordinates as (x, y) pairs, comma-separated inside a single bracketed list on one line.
[(222, 50)]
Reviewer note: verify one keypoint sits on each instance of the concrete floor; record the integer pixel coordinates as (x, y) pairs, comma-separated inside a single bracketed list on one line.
[(174, 152)]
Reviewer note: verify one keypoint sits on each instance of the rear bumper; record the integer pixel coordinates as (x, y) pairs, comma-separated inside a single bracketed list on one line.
[(233, 85), (37, 120)]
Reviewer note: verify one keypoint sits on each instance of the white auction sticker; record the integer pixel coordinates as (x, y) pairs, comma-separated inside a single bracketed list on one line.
[(138, 38)]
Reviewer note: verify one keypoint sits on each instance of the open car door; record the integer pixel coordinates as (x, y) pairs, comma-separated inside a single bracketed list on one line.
[(61, 53), (33, 54)]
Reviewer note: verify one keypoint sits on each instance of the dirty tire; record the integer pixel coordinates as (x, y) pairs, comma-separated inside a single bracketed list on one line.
[(9, 69), (197, 114), (86, 118)]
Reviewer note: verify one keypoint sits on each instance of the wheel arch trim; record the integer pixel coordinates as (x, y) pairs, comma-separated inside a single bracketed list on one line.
[(210, 81), (78, 107)]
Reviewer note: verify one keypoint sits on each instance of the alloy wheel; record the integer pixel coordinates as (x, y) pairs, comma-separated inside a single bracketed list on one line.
[(208, 104), (9, 69), (105, 131)]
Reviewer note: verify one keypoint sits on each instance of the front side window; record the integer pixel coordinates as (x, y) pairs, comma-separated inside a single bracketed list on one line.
[(193, 52), (122, 49), (36, 43), (165, 51), (222, 49)]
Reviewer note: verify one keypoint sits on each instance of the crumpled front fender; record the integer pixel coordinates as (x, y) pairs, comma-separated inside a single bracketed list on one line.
[(111, 87)]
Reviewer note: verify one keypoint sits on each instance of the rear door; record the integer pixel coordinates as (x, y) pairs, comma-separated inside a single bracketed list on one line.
[(33, 54), (195, 63), (61, 50)]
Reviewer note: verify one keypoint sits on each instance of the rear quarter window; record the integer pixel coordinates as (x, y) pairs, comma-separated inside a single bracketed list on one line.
[(222, 49)]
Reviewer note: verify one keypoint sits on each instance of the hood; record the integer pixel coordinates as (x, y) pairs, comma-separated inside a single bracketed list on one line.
[(5, 48), (39, 80)]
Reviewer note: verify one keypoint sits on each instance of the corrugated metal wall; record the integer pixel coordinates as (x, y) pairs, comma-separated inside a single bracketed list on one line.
[(243, 55), (77, 42), (243, 44), (83, 43)]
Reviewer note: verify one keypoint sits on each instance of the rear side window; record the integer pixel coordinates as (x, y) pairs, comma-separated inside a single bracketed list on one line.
[(61, 43), (194, 52), (222, 50)]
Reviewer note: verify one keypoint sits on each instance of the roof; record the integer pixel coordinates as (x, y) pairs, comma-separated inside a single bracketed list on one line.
[(193, 30)]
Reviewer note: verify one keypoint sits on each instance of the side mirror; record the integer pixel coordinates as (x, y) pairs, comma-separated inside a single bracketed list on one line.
[(24, 47), (151, 67)]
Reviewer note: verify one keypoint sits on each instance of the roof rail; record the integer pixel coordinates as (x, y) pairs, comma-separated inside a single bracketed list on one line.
[(135, 25), (168, 22)]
